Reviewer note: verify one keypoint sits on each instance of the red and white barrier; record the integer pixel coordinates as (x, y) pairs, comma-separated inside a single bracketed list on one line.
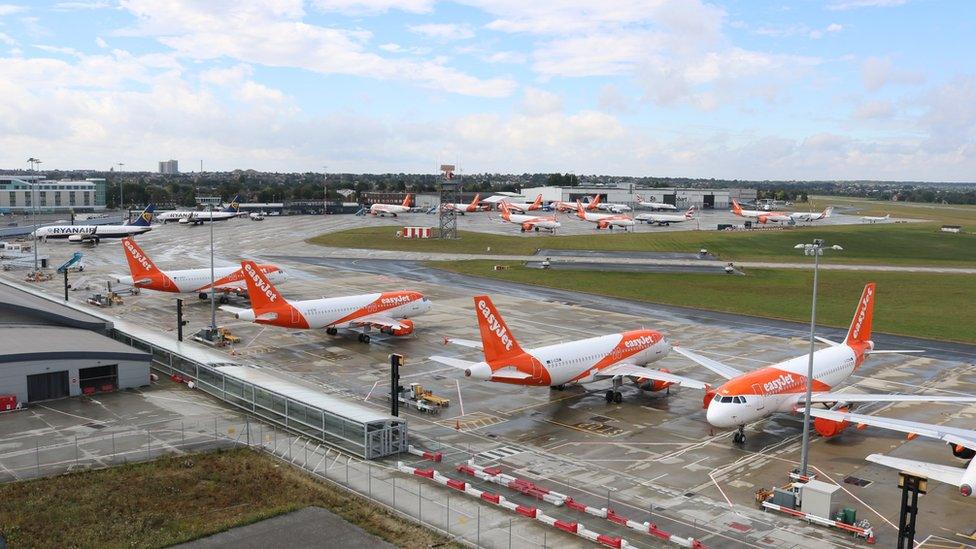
[(494, 474), (416, 232), (866, 533), (430, 456), (499, 500)]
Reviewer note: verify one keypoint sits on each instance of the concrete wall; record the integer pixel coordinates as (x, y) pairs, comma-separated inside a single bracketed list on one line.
[(13, 375)]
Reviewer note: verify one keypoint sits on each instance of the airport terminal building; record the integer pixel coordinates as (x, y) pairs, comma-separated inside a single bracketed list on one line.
[(627, 194), (27, 193), (50, 351)]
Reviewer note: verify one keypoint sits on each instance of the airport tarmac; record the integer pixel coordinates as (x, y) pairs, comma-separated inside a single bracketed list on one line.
[(651, 451)]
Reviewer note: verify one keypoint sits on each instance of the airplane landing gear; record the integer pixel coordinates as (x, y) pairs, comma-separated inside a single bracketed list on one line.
[(332, 331), (363, 338), (223, 299), (739, 437), (614, 395), (558, 387), (203, 295)]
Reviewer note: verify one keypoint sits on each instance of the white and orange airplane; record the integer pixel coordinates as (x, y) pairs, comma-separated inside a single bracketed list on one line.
[(751, 396), (962, 442), (604, 221), (392, 209), (523, 207), (591, 206), (614, 357), (759, 215), (143, 273), (530, 222), (462, 208), (389, 312)]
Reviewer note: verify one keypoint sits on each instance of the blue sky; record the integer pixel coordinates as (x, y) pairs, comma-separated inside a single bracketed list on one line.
[(837, 89)]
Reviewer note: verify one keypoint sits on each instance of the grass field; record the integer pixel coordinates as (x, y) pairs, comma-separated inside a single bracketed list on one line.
[(167, 501), (949, 214), (900, 244), (928, 306)]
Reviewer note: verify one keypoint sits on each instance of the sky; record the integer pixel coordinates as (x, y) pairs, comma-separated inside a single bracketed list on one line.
[(747, 89)]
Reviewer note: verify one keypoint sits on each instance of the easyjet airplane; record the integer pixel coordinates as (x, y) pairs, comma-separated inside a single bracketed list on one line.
[(604, 221), (387, 311), (560, 206), (144, 274), (523, 207), (392, 209), (750, 396), (759, 215), (962, 442), (462, 208), (614, 356), (530, 222)]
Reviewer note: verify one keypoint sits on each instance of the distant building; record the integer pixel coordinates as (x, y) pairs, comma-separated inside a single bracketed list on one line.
[(627, 194), (19, 192), (169, 167)]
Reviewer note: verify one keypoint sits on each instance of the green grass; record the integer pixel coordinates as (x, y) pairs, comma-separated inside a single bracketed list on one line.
[(899, 244), (949, 214), (167, 501), (920, 305)]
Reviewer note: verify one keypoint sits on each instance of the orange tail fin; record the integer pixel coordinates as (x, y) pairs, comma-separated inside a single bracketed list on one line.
[(263, 294), (736, 208), (140, 265), (579, 210), (406, 201), (537, 203), (860, 330), (497, 340)]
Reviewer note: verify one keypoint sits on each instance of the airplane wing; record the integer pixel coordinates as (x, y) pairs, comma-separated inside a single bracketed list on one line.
[(869, 397), (453, 362), (232, 310), (727, 372), (633, 370), (379, 321), (464, 343), (949, 435), (942, 473)]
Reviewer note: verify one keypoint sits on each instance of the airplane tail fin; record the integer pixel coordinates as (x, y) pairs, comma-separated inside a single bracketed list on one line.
[(537, 203), (264, 296), (145, 218), (506, 213), (691, 212), (736, 208), (828, 212), (596, 200), (639, 198), (860, 330), (140, 265), (235, 205), (496, 340), (406, 201), (579, 210), (477, 198)]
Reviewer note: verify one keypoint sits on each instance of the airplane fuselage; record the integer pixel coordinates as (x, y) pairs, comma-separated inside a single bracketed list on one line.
[(341, 312), (191, 281), (92, 231)]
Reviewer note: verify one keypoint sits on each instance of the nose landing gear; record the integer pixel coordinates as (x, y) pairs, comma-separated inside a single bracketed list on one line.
[(739, 437)]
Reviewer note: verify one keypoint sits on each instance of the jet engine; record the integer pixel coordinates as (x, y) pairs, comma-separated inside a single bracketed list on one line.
[(968, 480), (762, 219), (602, 225), (962, 452), (405, 330), (828, 428), (645, 384)]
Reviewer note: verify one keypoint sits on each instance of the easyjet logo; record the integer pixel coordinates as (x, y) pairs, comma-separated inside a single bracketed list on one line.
[(642, 341), (862, 312), (778, 384), (263, 286), (495, 326), (398, 300), (137, 255)]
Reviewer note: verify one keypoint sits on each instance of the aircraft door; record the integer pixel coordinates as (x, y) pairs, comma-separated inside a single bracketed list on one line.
[(295, 320), (760, 397)]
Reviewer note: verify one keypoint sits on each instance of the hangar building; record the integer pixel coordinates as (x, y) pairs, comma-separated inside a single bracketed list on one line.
[(627, 194), (50, 351)]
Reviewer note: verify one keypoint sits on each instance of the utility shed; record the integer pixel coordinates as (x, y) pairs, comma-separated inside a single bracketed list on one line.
[(817, 498), (49, 351)]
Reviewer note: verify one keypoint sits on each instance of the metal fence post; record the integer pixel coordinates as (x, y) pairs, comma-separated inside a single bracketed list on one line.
[(478, 538), (369, 479), (394, 491), (274, 433), (182, 434), (37, 458), (247, 430), (347, 471), (76, 450), (148, 444), (420, 502), (215, 428), (449, 513), (509, 533), (305, 465), (113, 444)]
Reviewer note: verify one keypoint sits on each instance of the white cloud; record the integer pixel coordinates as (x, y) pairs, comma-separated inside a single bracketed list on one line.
[(538, 102), (7, 39), (72, 6), (855, 4), (58, 49), (275, 35), (873, 110), (613, 101), (878, 72), (227, 76), (506, 57), (835, 27), (444, 31), (100, 42), (10, 9), (373, 7)]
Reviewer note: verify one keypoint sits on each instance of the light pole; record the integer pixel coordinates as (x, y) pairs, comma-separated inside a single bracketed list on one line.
[(325, 190), (210, 201), (816, 250), (33, 186)]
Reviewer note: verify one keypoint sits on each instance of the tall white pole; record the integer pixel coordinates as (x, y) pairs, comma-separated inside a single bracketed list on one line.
[(805, 449), (213, 303)]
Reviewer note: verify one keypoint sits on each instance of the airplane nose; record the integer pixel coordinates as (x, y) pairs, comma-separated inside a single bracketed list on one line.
[(480, 371), (717, 415)]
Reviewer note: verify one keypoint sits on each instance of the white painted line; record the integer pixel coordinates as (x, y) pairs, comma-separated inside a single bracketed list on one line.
[(371, 390), (460, 402)]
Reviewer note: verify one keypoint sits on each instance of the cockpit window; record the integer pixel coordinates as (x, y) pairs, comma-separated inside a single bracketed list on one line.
[(740, 400)]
